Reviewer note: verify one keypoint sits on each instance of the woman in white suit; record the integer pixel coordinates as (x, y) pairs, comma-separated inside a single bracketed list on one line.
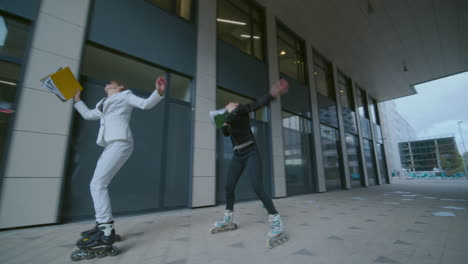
[(115, 136)]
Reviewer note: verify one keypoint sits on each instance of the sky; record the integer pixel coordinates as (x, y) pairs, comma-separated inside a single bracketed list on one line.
[(438, 107)]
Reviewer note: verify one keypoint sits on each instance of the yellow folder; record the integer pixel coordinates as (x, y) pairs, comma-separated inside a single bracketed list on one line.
[(62, 83)]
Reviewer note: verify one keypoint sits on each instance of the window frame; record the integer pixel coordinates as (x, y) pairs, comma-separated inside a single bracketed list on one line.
[(329, 73), (173, 10), (261, 22), (299, 47)]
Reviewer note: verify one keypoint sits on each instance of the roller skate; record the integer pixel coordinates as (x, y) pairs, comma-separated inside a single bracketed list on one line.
[(98, 244), (225, 224), (95, 229), (276, 234)]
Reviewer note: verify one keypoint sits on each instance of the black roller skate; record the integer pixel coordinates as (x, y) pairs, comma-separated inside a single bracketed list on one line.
[(98, 244), (95, 229)]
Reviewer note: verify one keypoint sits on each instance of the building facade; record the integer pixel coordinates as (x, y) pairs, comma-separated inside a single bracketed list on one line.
[(395, 129), (440, 154), (324, 134)]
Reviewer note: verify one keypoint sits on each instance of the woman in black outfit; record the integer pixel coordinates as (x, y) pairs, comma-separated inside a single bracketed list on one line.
[(247, 159)]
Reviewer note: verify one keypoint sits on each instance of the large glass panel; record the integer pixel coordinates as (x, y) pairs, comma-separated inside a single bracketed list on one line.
[(331, 158), (291, 54), (104, 65), (327, 111), (370, 162), (349, 120), (297, 154), (355, 169), (9, 75), (180, 88), (323, 77), (13, 37), (241, 24), (366, 128), (373, 111), (361, 103), (345, 91), (224, 97)]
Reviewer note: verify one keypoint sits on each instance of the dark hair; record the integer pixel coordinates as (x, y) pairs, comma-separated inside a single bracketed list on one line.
[(119, 84)]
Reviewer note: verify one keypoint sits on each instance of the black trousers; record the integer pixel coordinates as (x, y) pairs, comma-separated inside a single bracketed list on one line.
[(247, 160)]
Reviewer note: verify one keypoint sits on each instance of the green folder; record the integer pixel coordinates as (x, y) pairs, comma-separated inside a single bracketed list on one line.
[(218, 117)]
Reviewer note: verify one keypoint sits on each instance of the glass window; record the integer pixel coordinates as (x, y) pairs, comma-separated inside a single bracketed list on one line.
[(373, 111), (323, 76), (180, 87), (362, 103), (297, 153), (331, 158), (242, 24), (13, 37), (13, 40), (291, 53), (345, 91), (224, 97), (104, 65), (9, 75), (182, 8), (355, 169), (370, 162)]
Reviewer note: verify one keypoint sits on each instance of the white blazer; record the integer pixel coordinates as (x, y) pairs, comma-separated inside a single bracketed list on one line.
[(116, 113)]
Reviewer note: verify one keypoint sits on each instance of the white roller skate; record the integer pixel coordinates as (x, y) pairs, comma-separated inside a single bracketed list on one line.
[(225, 224), (276, 234)]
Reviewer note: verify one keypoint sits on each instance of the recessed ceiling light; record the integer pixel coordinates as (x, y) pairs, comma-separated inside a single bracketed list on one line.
[(231, 22), (283, 52)]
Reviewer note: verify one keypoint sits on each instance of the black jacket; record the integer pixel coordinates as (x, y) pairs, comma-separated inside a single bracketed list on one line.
[(238, 121)]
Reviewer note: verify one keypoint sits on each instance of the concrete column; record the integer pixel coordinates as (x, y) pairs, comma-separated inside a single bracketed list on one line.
[(346, 180), (362, 156), (316, 134), (36, 163), (411, 156), (374, 143), (204, 150), (279, 174)]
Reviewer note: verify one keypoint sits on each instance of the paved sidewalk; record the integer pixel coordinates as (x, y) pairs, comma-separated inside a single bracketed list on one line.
[(384, 224)]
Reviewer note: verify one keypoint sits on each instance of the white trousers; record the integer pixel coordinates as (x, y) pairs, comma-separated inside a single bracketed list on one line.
[(114, 156)]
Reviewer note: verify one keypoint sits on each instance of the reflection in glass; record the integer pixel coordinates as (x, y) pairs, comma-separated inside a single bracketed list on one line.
[(370, 162), (291, 54), (297, 153), (331, 159), (9, 74), (13, 37), (327, 111), (241, 24), (355, 169), (180, 88), (101, 64)]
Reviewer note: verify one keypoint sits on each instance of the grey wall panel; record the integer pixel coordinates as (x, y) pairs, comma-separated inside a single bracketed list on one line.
[(297, 98), (141, 29), (177, 171), (240, 72), (23, 8)]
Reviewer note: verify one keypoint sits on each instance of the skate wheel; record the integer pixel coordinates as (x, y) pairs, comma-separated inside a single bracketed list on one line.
[(114, 251), (76, 255), (101, 253), (213, 230), (89, 255)]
